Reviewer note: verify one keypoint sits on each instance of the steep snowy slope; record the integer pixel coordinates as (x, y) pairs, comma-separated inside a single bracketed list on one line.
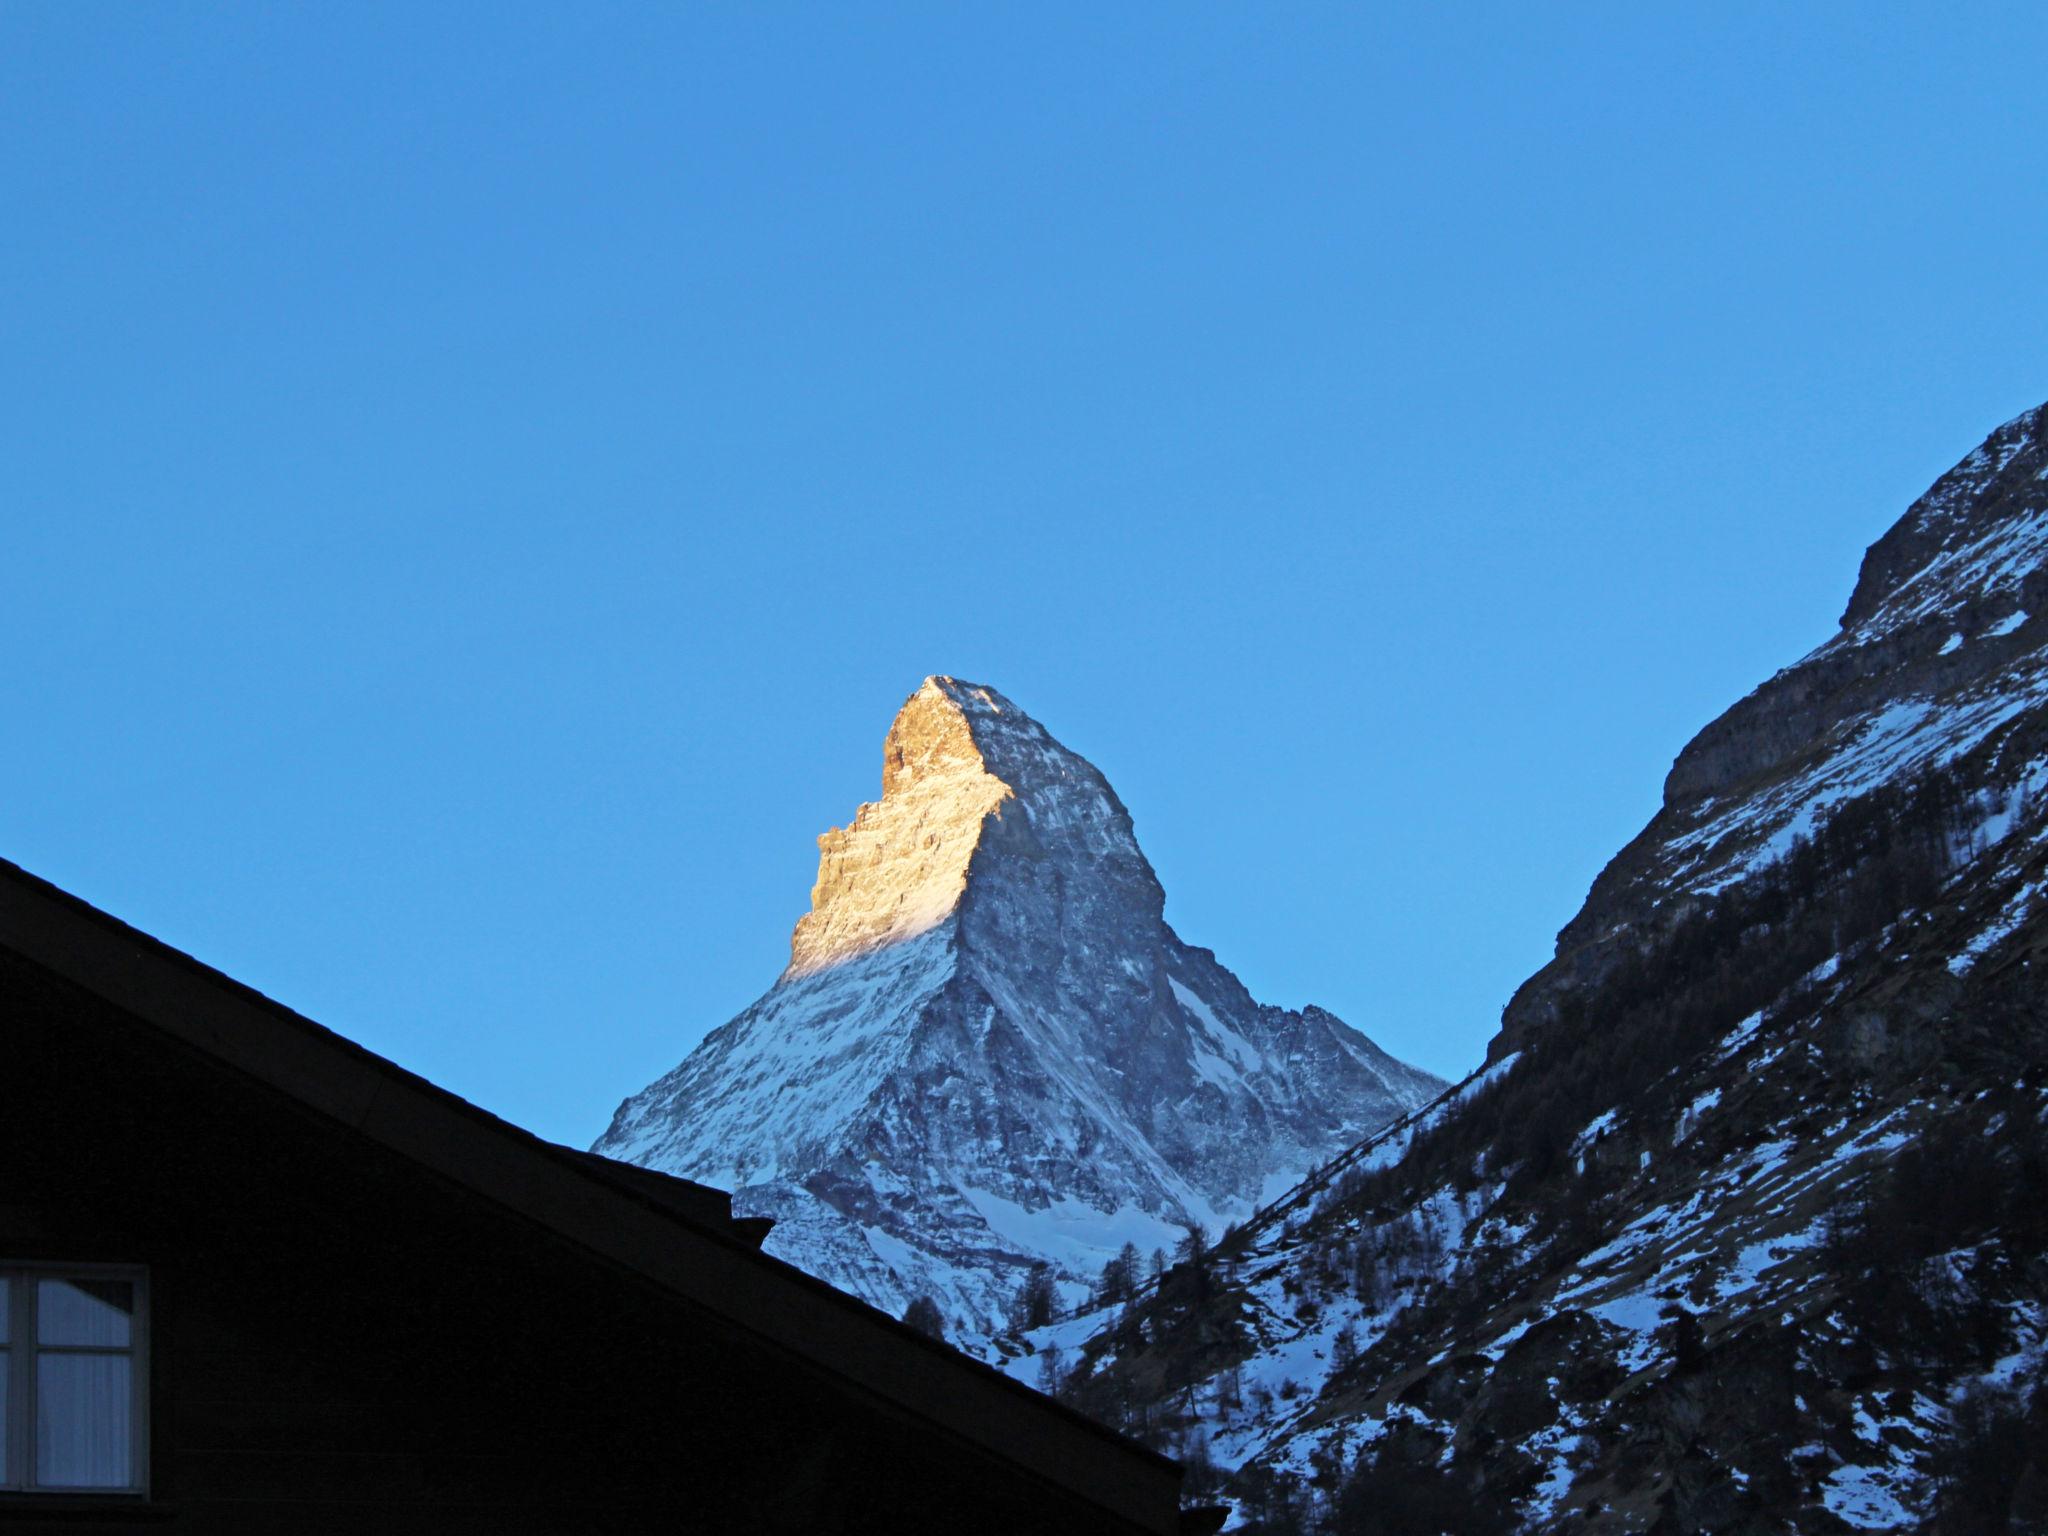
[(990, 1050), (1742, 1227)]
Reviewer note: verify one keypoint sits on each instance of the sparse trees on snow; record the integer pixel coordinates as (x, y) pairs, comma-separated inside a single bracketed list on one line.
[(1119, 1281), (1036, 1299)]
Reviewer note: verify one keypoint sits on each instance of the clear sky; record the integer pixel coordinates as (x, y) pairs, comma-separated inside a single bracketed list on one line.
[(477, 480)]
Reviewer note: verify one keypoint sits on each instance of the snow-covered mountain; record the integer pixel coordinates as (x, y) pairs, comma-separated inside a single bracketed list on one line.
[(990, 1050), (1741, 1229)]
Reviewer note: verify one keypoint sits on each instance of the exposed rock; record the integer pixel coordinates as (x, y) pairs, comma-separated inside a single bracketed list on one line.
[(990, 1049), (1740, 1231), (1938, 652)]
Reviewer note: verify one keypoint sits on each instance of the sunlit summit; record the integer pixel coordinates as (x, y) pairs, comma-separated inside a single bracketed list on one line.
[(990, 1051)]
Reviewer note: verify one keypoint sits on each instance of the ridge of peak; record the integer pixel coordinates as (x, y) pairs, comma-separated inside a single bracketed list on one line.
[(958, 759), (965, 693), (948, 718), (971, 700), (1987, 489)]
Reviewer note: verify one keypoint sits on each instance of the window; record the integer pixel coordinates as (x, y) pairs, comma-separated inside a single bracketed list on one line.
[(73, 1379)]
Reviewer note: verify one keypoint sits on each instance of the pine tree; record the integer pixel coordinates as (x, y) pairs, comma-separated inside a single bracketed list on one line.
[(1230, 1387), (1051, 1371), (1036, 1299), (1688, 1339), (1194, 1254), (923, 1314), (1119, 1281)]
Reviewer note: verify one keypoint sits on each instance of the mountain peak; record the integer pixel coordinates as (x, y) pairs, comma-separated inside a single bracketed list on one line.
[(990, 1051), (934, 730), (958, 759), (899, 868)]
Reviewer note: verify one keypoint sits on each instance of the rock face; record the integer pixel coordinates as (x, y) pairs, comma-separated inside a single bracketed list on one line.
[(1741, 1228), (990, 1050), (1937, 655)]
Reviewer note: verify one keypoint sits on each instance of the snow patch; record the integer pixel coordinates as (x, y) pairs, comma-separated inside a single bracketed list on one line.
[(1864, 1498)]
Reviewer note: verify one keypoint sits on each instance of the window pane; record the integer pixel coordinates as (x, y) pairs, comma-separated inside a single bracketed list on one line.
[(82, 1429), (6, 1308), (84, 1311), (6, 1472)]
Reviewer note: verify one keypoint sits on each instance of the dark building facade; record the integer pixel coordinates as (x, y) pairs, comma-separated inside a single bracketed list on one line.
[(255, 1278)]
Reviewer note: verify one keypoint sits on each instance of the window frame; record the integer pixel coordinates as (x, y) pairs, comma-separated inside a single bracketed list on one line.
[(23, 1349)]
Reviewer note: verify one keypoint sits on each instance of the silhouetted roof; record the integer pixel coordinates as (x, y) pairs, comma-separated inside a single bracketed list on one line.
[(676, 1233)]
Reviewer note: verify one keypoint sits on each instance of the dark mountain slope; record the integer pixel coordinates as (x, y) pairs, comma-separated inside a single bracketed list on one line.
[(1742, 1227)]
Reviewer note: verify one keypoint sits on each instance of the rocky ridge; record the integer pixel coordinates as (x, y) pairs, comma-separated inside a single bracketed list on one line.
[(1938, 652), (1740, 1228), (990, 1051)]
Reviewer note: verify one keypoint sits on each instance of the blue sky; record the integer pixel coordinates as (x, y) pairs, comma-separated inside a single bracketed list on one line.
[(477, 480)]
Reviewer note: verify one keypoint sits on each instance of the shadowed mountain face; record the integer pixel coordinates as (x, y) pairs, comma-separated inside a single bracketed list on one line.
[(1741, 1229), (1939, 654), (989, 1049)]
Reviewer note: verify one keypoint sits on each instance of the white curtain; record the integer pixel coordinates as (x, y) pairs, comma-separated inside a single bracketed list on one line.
[(84, 1311), (83, 1407)]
